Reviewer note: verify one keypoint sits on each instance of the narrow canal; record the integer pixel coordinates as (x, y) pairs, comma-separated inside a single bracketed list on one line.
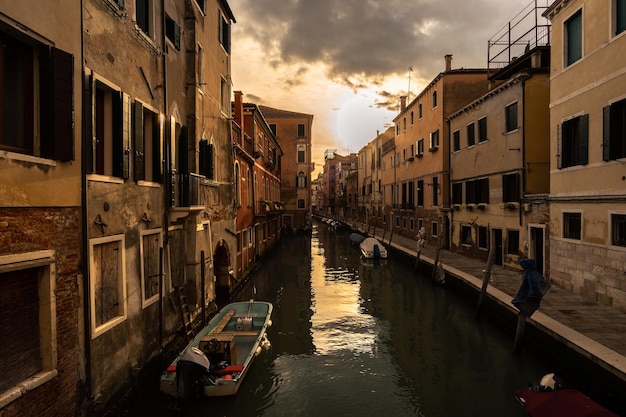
[(351, 338)]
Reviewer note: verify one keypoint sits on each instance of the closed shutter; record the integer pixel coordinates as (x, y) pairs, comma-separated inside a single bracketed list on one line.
[(606, 133), (138, 141), (202, 158), (20, 353), (559, 146), (584, 140), (89, 142), (157, 150), (210, 161)]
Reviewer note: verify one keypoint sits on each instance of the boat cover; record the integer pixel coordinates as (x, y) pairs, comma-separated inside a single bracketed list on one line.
[(564, 403)]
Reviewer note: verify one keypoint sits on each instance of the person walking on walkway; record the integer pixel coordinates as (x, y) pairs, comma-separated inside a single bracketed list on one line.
[(421, 241)]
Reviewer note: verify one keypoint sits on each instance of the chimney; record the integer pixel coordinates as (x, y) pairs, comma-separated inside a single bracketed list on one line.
[(238, 116), (402, 103), (448, 59)]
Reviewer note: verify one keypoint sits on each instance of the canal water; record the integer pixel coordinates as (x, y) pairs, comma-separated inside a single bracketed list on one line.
[(355, 338)]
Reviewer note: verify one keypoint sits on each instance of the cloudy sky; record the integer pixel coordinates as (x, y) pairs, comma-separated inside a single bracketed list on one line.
[(347, 61)]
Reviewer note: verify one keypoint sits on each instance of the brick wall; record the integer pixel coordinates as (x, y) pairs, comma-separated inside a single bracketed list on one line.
[(33, 229)]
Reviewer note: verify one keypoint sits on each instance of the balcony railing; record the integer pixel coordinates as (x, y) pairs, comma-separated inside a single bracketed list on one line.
[(186, 190)]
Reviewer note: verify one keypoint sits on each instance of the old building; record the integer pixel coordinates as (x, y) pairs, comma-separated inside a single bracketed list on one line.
[(588, 148), (499, 160), (159, 177), (421, 160), (41, 279), (334, 165), (293, 133)]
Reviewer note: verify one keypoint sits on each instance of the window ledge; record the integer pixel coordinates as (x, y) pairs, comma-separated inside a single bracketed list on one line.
[(27, 158), (104, 178), (25, 386)]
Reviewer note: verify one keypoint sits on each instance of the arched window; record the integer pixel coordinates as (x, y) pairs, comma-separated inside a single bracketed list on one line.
[(301, 154), (301, 179)]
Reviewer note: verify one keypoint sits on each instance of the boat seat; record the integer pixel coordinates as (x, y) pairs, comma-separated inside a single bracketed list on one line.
[(220, 326)]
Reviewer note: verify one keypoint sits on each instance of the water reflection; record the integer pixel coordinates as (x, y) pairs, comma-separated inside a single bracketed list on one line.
[(368, 339)]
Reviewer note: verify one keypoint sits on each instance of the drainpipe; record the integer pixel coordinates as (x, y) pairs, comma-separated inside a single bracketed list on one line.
[(521, 210), (86, 140), (166, 176)]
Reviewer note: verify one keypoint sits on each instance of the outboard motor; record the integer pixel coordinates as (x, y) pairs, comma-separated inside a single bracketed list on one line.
[(376, 251), (191, 370)]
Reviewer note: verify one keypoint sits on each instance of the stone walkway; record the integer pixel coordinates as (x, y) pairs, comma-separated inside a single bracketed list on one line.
[(594, 330)]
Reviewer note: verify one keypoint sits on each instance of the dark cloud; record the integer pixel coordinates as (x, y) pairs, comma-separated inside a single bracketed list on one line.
[(374, 38)]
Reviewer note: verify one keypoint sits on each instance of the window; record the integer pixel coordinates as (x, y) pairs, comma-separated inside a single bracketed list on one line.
[(482, 237), (434, 99), (435, 191), (150, 246), (301, 130), (572, 142), (420, 193), (28, 325), (237, 185), (574, 38), (412, 152), (620, 16), (404, 154), (420, 147), (510, 116), (457, 193), (301, 180), (301, 154), (510, 188), (273, 128), (148, 144), (482, 129), (412, 223), (466, 235), (477, 191), (301, 203), (512, 247), (572, 225), (404, 123), (224, 32), (471, 136), (143, 15), (434, 227), (412, 118), (434, 140), (618, 229), (614, 131), (36, 95), (172, 32), (108, 283), (419, 110), (110, 130), (206, 159), (456, 140)]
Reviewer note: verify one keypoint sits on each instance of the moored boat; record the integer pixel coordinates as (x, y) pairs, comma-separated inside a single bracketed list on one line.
[(548, 399), (356, 238), (216, 361), (371, 248)]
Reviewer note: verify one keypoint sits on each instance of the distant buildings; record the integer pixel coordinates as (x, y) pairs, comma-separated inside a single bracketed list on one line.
[(522, 159)]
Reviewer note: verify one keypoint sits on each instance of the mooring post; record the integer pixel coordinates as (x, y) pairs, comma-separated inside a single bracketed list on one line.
[(203, 288), (486, 277), (519, 332), (433, 276)]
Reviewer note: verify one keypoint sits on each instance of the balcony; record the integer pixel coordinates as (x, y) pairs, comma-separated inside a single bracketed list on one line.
[(186, 195)]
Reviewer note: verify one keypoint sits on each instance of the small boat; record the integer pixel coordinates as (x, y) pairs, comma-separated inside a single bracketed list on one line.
[(356, 238), (216, 361), (371, 248), (547, 399)]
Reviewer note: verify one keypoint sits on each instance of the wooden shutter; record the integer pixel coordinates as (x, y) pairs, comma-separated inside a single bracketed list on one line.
[(138, 159), (606, 133), (89, 141), (62, 76), (202, 159), (183, 152), (584, 139), (157, 150), (211, 161), (120, 156), (559, 146)]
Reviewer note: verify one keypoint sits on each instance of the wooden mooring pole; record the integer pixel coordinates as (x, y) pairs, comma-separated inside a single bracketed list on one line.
[(519, 333), (486, 277)]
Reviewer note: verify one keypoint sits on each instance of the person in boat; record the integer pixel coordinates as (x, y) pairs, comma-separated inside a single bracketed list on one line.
[(531, 289), (421, 241)]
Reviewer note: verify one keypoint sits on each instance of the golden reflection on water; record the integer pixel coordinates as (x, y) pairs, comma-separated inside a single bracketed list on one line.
[(338, 322)]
